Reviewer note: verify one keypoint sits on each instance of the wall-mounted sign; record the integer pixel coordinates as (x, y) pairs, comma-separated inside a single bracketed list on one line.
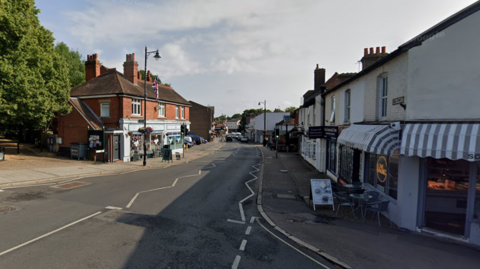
[(398, 100), (330, 132), (96, 139), (315, 132), (286, 119), (382, 169)]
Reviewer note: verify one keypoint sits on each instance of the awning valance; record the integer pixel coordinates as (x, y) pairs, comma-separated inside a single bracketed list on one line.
[(379, 139), (453, 141)]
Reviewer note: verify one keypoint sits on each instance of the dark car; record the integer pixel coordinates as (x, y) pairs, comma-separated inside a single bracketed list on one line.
[(228, 138), (196, 139)]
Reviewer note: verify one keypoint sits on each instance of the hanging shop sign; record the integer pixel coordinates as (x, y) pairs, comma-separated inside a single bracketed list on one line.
[(382, 169), (330, 132), (315, 132)]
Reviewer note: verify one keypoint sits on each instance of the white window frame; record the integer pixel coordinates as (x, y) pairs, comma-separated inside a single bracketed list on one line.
[(332, 114), (136, 107), (105, 110), (183, 112), (382, 97), (176, 112), (348, 103), (161, 110)]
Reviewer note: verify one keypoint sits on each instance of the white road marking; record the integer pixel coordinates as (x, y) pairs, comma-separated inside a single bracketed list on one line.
[(242, 246), (249, 229), (236, 262), (235, 221), (242, 214), (1, 190), (113, 208), (131, 201), (47, 234), (252, 219), (286, 243)]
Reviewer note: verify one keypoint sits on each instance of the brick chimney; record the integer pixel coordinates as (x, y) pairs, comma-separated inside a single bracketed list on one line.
[(319, 77), (130, 68), (371, 56), (149, 78), (92, 67)]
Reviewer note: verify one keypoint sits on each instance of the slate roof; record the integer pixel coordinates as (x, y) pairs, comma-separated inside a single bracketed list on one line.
[(86, 113), (114, 82)]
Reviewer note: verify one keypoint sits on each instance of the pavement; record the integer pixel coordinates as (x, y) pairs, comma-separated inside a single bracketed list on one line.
[(283, 200)]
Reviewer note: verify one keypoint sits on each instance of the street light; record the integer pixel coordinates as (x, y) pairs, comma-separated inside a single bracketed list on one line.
[(157, 56), (264, 121)]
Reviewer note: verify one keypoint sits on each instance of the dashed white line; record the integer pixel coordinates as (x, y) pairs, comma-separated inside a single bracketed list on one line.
[(236, 221), (242, 246), (236, 262), (47, 234), (249, 229), (113, 208)]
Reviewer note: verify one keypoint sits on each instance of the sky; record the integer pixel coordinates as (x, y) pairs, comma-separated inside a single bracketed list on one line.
[(234, 54)]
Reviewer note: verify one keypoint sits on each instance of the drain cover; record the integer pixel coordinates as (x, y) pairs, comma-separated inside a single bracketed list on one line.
[(7, 209), (71, 185)]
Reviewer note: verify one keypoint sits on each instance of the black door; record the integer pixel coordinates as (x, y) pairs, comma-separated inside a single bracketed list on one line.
[(116, 147)]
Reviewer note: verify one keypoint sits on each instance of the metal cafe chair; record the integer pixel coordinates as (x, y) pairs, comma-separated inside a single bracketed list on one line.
[(374, 198), (378, 207), (343, 200)]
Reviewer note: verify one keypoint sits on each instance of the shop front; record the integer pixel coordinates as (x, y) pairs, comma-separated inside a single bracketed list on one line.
[(449, 194), (330, 134)]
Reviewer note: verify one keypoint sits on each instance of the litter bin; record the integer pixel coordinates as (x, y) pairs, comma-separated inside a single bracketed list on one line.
[(78, 151)]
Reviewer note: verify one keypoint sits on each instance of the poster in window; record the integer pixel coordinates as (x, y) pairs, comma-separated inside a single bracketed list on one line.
[(96, 139)]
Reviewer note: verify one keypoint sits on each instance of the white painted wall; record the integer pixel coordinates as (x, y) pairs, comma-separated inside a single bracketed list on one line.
[(405, 213), (444, 76), (272, 119)]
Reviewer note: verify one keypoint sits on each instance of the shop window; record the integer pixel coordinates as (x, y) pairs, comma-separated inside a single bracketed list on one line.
[(105, 110), (476, 212), (161, 110), (136, 107), (448, 175), (382, 173), (346, 163), (331, 155)]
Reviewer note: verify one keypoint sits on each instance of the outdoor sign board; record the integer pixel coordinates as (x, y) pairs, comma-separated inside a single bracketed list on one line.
[(96, 139), (315, 132), (321, 192), (330, 132), (286, 119)]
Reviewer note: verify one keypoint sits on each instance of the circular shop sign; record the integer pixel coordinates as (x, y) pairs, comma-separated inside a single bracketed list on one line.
[(382, 169)]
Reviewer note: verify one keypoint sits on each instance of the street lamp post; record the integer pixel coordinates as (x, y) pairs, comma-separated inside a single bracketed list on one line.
[(157, 56), (264, 121)]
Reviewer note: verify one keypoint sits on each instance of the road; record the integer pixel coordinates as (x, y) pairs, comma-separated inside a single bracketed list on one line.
[(201, 214)]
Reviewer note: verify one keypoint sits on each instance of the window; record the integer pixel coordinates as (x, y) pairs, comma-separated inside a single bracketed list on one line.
[(347, 106), (331, 155), (183, 112), (314, 114), (383, 173), (176, 112), (136, 107), (332, 115), (383, 93), (161, 110), (346, 163), (105, 110)]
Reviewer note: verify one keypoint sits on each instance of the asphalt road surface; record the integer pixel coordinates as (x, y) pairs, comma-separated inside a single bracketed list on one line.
[(201, 214)]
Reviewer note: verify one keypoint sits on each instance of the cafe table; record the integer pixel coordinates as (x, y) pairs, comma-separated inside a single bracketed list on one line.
[(362, 199), (351, 186)]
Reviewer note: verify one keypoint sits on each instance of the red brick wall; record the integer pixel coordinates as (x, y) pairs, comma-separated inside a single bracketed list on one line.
[(72, 128), (112, 121)]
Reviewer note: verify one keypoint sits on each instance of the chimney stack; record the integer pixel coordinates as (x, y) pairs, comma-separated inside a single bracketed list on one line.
[(92, 67), (369, 57), (149, 79), (130, 68), (319, 77)]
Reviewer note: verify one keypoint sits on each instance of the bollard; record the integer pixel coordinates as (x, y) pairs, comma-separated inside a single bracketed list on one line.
[(2, 153)]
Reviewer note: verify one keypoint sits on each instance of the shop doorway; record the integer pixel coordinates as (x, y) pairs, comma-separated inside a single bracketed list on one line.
[(116, 147), (446, 195)]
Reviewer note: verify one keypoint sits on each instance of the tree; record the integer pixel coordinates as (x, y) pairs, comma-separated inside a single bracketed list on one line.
[(291, 110), (236, 116), (152, 76), (75, 64), (34, 78)]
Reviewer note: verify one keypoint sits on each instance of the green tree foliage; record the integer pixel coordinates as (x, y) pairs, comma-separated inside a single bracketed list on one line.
[(152, 76), (75, 64), (34, 78), (236, 116)]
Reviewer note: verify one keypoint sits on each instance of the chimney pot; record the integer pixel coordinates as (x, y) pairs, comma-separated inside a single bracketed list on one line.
[(377, 50), (365, 51), (384, 49), (92, 67), (371, 50), (130, 68)]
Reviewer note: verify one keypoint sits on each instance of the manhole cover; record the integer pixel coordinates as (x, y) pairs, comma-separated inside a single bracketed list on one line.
[(71, 185), (7, 209)]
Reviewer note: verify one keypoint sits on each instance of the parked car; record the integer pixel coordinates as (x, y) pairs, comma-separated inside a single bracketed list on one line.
[(196, 139), (188, 141), (244, 139), (228, 138)]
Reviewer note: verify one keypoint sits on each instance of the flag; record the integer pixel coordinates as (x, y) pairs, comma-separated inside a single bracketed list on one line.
[(155, 87)]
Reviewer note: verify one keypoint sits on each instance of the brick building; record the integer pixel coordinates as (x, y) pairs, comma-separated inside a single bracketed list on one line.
[(114, 102), (202, 120)]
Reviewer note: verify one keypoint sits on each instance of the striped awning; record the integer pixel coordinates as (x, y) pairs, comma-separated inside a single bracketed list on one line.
[(453, 141), (379, 139)]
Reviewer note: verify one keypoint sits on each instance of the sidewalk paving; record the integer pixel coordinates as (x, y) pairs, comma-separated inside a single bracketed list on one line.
[(350, 241)]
